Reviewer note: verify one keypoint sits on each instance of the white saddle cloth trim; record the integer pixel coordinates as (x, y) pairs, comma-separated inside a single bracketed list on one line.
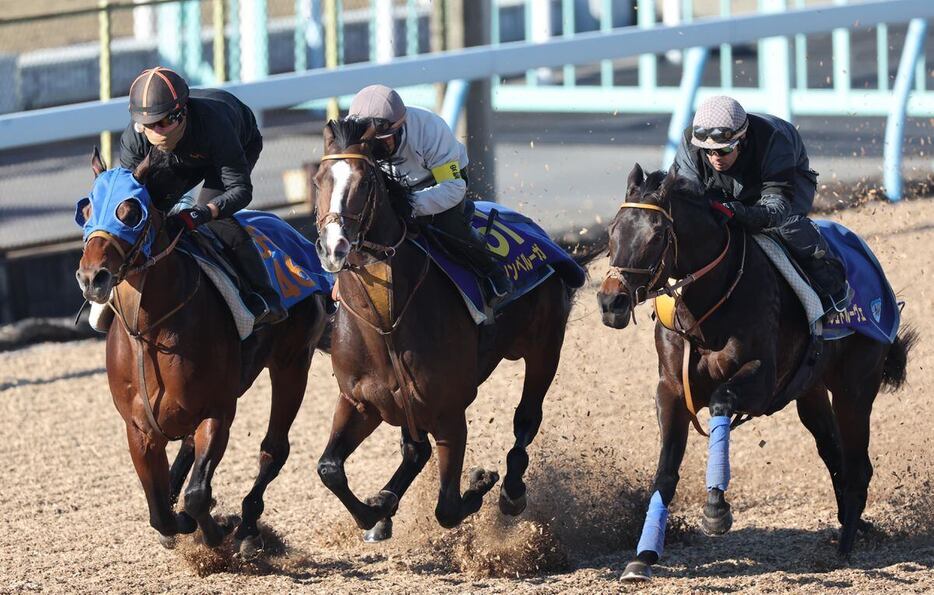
[(242, 316), (813, 308)]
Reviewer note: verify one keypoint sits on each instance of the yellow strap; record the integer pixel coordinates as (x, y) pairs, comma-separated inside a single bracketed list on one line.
[(686, 382), (446, 171), (648, 207)]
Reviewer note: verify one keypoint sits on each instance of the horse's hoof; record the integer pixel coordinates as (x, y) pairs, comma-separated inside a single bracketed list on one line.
[(636, 571), (717, 525), (185, 523), (168, 541), (481, 480), (381, 531), (251, 546), (511, 507)]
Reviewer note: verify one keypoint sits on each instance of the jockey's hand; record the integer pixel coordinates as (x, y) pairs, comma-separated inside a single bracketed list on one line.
[(737, 208), (187, 219)]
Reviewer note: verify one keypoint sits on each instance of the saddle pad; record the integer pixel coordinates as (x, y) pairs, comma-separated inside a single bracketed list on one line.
[(813, 308), (242, 316), (874, 311), (291, 260), (529, 257)]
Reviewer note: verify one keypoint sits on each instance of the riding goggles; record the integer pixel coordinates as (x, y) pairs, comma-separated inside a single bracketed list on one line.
[(717, 135), (723, 150)]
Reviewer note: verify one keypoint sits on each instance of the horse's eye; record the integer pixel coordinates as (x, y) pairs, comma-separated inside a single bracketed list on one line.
[(130, 213)]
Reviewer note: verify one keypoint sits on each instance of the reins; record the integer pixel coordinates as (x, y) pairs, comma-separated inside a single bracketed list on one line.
[(119, 309), (408, 388), (655, 273)]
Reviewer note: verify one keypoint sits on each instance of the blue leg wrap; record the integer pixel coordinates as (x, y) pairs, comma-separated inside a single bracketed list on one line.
[(653, 531), (718, 453)]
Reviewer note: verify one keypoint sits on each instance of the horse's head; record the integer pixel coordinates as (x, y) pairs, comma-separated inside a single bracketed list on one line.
[(117, 227), (642, 246), (347, 183)]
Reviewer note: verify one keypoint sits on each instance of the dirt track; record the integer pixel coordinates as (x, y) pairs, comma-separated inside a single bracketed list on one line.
[(73, 516)]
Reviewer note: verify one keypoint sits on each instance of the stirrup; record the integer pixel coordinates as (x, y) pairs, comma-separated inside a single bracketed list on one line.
[(263, 313), (843, 303)]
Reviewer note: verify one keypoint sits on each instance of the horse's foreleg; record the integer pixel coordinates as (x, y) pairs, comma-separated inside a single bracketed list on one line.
[(724, 401), (414, 456), (816, 413), (152, 467), (452, 508), (210, 444), (673, 421), (288, 390), (349, 429), (540, 370)]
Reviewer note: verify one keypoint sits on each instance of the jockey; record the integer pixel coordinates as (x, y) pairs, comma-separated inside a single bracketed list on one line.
[(418, 148), (757, 165), (208, 135)]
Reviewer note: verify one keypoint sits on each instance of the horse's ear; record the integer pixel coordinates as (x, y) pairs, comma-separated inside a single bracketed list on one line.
[(328, 133), (668, 183), (141, 173), (97, 162), (369, 134), (636, 178)]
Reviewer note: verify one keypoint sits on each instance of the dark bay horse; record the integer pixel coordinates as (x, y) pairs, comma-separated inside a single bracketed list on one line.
[(406, 351), (747, 334), (176, 365)]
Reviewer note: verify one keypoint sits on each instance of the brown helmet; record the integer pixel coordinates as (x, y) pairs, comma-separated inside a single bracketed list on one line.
[(156, 93)]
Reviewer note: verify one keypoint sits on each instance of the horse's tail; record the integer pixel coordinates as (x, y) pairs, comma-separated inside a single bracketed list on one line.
[(585, 254), (894, 369)]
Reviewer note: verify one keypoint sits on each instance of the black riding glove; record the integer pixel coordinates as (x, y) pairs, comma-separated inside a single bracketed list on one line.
[(187, 219)]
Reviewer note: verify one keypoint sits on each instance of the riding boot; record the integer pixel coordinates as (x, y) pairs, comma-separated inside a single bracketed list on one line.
[(824, 268), (264, 303), (461, 238)]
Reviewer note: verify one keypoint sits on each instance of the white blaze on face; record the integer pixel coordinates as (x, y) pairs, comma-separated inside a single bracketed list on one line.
[(333, 233)]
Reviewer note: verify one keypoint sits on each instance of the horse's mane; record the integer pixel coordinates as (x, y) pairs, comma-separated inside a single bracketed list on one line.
[(348, 132), (164, 185), (669, 185)]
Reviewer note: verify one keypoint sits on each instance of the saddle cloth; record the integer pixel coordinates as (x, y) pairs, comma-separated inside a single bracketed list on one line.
[(291, 263), (529, 257), (873, 310)]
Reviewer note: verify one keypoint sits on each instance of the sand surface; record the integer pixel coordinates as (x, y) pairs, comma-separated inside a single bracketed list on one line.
[(73, 516)]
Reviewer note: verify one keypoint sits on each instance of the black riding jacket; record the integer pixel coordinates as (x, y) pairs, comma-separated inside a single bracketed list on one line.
[(220, 132), (772, 175)]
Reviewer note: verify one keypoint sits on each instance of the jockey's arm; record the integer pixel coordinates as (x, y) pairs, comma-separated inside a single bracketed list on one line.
[(774, 203), (684, 162), (444, 156), (234, 169)]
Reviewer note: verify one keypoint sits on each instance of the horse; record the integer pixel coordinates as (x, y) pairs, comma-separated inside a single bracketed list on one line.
[(176, 364), (741, 337), (417, 362)]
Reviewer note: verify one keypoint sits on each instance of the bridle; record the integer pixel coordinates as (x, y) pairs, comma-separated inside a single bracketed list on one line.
[(364, 219), (651, 290), (123, 272)]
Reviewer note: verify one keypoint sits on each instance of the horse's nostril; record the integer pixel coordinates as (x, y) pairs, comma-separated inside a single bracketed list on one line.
[(101, 278), (620, 301)]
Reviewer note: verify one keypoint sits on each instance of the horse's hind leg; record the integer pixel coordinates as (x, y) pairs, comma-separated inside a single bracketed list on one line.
[(152, 467), (414, 456), (817, 415), (349, 429), (852, 404), (288, 390), (540, 368), (452, 509), (210, 443)]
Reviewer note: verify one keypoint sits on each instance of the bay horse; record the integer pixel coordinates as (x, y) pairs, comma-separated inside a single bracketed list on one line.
[(406, 351), (176, 365), (745, 333)]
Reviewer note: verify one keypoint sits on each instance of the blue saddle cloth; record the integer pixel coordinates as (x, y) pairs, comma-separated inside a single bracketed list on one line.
[(530, 256), (874, 311), (291, 261)]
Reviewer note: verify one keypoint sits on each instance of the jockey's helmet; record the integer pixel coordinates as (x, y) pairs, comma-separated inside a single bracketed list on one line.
[(157, 93), (719, 122), (381, 104)]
